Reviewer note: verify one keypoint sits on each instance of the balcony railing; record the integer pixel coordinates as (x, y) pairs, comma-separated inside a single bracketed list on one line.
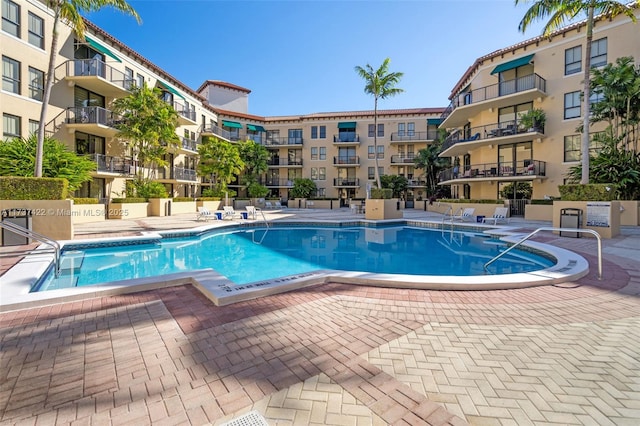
[(278, 182), (180, 173), (212, 129), (504, 88), (184, 111), (346, 182), (85, 115), (413, 183), (346, 160), (110, 164), (346, 137), (505, 128), (496, 170), (285, 162), (96, 68), (277, 141), (189, 144), (402, 159), (408, 136)]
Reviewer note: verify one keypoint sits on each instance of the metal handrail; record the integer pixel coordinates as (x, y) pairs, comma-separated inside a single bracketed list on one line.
[(588, 231), (17, 229), (444, 215)]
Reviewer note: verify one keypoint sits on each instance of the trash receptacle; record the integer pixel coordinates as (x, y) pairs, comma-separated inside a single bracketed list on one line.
[(480, 219), (570, 218), (20, 217)]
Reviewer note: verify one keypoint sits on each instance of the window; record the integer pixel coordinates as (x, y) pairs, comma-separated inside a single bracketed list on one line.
[(89, 144), (594, 98), (380, 151), (400, 129), (381, 129), (371, 152), (323, 132), (323, 153), (295, 136), (572, 105), (11, 126), (321, 193), (11, 18), (10, 75), (411, 129), (33, 127), (322, 173), (314, 173), (314, 153), (572, 148), (599, 52), (573, 60), (371, 130), (371, 172), (128, 77), (140, 82), (314, 132), (36, 31), (36, 84)]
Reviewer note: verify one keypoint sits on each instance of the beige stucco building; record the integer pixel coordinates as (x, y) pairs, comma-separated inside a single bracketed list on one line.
[(335, 149), (488, 137)]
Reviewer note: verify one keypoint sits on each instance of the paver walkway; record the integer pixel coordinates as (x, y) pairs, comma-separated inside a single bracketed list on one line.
[(336, 354)]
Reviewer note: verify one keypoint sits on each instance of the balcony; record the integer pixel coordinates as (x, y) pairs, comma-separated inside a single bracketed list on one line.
[(409, 136), (510, 92), (403, 159), (285, 162), (180, 173), (346, 161), (505, 171), (461, 142), (94, 120), (186, 115), (346, 138), (417, 183), (213, 130), (95, 75), (276, 182), (107, 164), (188, 145), (346, 182), (276, 142)]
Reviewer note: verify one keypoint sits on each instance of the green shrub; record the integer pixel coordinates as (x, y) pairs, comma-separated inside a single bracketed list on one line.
[(182, 199), (542, 202), (255, 190), (150, 189), (78, 201), (589, 192), (381, 193), (129, 200), (31, 188), (208, 199)]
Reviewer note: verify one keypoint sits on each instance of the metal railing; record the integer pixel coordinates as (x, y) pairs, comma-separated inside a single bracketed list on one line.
[(489, 131), (96, 68), (284, 162), (346, 182), (409, 136), (17, 229), (404, 159), (346, 137), (504, 88), (525, 238), (346, 160), (110, 164), (495, 170), (282, 141)]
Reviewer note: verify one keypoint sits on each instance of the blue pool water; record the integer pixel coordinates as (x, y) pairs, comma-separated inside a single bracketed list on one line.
[(250, 255)]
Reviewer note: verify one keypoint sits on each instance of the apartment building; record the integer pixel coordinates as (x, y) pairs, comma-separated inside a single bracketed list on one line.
[(490, 146), (89, 75)]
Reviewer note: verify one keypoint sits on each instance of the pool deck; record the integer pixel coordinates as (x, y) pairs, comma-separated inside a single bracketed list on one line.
[(334, 354)]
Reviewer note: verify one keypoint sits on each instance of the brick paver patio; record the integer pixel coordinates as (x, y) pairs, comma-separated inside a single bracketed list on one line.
[(334, 354)]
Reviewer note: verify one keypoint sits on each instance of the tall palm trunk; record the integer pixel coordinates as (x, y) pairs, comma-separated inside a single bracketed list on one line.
[(587, 93), (376, 173), (47, 94)]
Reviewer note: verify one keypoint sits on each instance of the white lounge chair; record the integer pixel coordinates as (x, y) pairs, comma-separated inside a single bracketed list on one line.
[(465, 215), (268, 205), (279, 205), (230, 213), (252, 212), (205, 214), (499, 215)]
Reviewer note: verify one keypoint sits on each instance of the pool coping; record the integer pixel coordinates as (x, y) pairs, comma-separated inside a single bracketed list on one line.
[(18, 281)]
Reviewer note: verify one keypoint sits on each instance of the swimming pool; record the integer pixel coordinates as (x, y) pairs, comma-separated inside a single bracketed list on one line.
[(232, 262), (250, 255)]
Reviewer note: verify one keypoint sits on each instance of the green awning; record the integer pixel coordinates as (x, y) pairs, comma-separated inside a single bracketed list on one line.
[(231, 124), (434, 121), (347, 125), (101, 48), (170, 89), (255, 128), (512, 64)]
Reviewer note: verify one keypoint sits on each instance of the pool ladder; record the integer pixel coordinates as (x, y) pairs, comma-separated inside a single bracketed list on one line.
[(253, 234), (27, 233), (525, 238)]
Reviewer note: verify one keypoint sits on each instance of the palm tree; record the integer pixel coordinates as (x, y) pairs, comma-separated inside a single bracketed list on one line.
[(68, 11), (561, 11), (381, 84)]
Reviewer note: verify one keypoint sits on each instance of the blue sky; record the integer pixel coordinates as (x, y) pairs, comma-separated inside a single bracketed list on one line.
[(298, 56)]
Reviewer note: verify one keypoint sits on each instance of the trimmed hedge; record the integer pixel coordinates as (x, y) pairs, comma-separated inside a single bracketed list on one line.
[(32, 188), (182, 199), (208, 199), (589, 192), (381, 193), (78, 201), (129, 200)]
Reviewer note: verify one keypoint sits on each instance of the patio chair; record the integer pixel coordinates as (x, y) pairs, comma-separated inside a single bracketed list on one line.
[(500, 214), (268, 205), (205, 214), (230, 213), (279, 205), (465, 214)]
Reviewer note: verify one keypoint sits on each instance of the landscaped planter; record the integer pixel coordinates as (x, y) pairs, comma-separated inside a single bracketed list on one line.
[(159, 207), (376, 209), (127, 210)]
